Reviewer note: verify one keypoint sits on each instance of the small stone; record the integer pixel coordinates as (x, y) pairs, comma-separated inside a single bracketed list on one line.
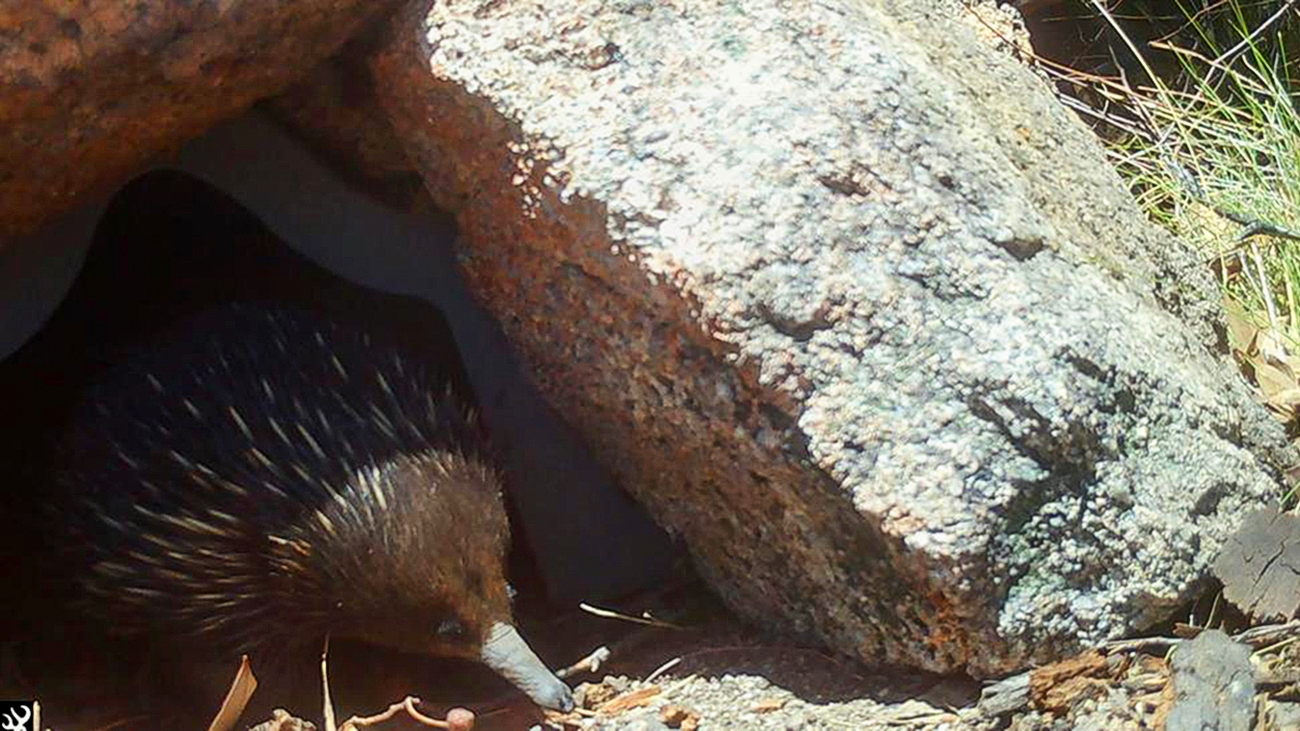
[(1214, 685), (281, 720), (679, 718), (460, 719)]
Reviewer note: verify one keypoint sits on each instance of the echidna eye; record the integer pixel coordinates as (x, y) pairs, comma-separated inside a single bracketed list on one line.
[(451, 629)]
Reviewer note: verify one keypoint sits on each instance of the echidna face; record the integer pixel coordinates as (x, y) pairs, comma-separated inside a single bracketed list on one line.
[(413, 558)]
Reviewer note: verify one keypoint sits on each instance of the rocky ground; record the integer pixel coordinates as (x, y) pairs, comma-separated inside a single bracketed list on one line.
[(725, 677), (716, 674)]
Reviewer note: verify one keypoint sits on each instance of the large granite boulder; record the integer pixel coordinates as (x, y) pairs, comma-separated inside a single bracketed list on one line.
[(850, 303), (90, 91)]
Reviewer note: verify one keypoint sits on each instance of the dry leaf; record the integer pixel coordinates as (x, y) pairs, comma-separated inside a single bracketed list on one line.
[(1207, 223), (1286, 400), (1273, 379), (1271, 345), (1241, 331)]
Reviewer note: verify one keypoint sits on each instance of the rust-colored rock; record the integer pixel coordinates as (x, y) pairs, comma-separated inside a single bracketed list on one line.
[(333, 109), (90, 91)]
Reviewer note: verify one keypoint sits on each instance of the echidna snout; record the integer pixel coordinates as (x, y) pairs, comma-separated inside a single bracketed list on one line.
[(265, 477), (390, 580), (507, 653)]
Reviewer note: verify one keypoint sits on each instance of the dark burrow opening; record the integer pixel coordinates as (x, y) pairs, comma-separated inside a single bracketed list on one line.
[(243, 214)]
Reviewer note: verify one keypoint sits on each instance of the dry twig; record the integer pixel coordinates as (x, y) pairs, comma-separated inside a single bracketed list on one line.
[(663, 669), (241, 690), (458, 719), (627, 701), (589, 664), (325, 684)]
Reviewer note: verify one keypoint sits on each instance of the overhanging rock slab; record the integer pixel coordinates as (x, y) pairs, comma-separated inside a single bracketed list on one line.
[(850, 304), (92, 91)]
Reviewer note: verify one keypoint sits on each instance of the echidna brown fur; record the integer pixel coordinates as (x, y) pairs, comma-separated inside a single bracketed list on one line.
[(265, 476)]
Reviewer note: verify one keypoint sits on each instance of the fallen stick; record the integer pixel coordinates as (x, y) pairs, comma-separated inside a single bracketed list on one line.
[(236, 700), (589, 664)]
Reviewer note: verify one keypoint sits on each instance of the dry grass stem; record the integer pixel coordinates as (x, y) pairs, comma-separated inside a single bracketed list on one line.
[(663, 669), (610, 614)]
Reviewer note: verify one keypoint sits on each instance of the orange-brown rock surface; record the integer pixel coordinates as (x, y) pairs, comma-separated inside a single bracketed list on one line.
[(91, 90)]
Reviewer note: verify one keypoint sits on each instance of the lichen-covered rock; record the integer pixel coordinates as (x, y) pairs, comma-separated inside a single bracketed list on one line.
[(90, 91), (851, 304)]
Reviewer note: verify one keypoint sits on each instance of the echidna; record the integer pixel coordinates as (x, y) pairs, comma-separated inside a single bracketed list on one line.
[(268, 476)]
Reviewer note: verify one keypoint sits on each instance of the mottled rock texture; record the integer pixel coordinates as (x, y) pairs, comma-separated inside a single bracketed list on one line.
[(90, 91), (850, 303)]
